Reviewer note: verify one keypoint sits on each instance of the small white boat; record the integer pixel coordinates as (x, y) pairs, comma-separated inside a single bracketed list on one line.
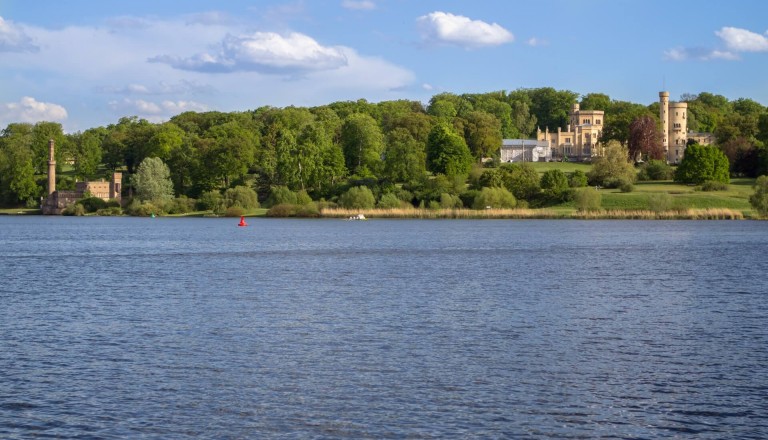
[(357, 217)]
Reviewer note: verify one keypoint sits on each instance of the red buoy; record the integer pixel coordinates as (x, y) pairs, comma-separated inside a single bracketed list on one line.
[(242, 221)]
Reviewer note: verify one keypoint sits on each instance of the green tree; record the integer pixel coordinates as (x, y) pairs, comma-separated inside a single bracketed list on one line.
[(17, 171), (759, 199), (613, 167), (702, 163), (447, 153), (87, 151), (363, 144), (404, 157), (521, 179), (577, 179), (482, 133), (152, 180), (358, 197), (554, 182)]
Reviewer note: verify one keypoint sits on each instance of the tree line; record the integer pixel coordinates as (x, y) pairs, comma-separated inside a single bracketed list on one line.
[(323, 151)]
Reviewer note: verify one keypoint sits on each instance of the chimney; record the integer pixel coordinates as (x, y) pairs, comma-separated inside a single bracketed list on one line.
[(51, 168)]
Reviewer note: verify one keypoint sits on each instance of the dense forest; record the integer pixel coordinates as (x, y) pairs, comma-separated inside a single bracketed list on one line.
[(398, 149)]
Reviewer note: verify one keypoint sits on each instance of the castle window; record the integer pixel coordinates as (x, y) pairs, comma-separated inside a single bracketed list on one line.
[(597, 121)]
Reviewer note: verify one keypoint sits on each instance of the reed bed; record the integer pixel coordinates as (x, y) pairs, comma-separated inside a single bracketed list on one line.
[(683, 214)]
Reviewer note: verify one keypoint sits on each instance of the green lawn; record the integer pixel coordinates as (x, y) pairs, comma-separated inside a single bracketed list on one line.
[(566, 167)]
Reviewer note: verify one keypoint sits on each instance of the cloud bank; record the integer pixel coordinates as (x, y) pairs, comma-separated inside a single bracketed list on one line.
[(446, 28), (29, 109), (14, 39), (735, 40), (264, 52)]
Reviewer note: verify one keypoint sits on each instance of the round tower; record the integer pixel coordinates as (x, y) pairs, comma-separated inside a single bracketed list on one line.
[(51, 168), (664, 118), (678, 131)]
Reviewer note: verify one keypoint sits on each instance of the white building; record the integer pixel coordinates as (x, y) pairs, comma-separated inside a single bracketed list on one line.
[(525, 150)]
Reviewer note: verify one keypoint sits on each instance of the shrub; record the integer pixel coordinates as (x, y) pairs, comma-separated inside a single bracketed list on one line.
[(292, 210), (449, 201), (179, 205), (494, 198), (234, 211), (142, 209), (111, 211), (209, 201), (554, 181), (280, 195), (759, 200), (712, 185), (588, 199), (74, 209), (577, 179), (302, 198), (389, 201), (92, 204), (625, 186), (241, 196), (358, 197), (468, 197), (702, 163), (655, 170)]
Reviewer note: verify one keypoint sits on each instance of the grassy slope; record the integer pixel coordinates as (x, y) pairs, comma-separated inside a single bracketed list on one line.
[(683, 196)]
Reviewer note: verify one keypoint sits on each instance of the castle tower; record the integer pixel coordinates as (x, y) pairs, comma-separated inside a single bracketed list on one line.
[(664, 118), (116, 186), (51, 168), (677, 136)]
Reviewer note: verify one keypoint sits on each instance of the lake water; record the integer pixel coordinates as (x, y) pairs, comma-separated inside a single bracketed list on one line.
[(195, 328)]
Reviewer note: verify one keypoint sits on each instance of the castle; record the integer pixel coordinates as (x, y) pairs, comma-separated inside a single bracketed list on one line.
[(580, 139), (56, 201)]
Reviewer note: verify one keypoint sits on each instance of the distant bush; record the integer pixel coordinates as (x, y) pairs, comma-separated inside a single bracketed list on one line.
[(142, 209), (112, 211), (655, 170), (712, 185), (74, 209), (625, 186), (577, 179), (759, 199), (234, 211), (494, 198), (92, 204), (389, 201), (280, 195), (210, 201), (588, 199), (293, 210), (468, 197), (358, 197), (241, 196), (449, 201), (179, 205)]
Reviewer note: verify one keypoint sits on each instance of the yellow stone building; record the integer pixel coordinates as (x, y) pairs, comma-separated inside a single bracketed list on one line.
[(580, 140)]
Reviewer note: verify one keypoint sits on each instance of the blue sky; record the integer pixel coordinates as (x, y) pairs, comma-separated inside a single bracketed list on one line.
[(88, 63)]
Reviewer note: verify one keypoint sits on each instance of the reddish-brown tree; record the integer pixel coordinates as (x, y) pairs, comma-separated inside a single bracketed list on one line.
[(645, 139)]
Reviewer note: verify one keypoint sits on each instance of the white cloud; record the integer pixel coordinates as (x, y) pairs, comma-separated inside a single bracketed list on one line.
[(698, 54), (361, 5), (155, 111), (14, 39), (742, 40), (162, 88), (443, 27), (29, 109), (427, 87), (264, 52), (534, 42)]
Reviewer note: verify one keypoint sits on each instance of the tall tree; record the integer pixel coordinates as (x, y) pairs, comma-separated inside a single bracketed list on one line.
[(702, 163), (363, 144), (152, 180), (613, 167), (645, 139), (447, 153), (404, 158)]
